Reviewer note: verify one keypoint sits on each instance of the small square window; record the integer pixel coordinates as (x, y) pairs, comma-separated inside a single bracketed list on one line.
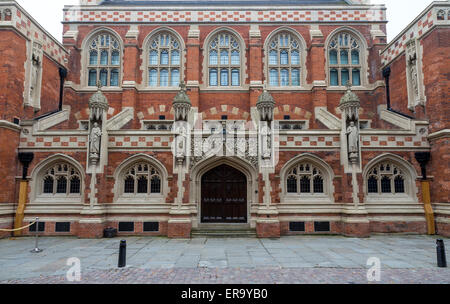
[(151, 226), (41, 227), (62, 227), (287, 117), (321, 226), (297, 226), (162, 117), (126, 226), (224, 117)]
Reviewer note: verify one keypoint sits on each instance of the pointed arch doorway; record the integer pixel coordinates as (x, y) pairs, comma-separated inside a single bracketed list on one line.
[(224, 196)]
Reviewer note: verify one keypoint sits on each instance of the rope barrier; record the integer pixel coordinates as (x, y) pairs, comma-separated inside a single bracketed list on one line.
[(17, 229)]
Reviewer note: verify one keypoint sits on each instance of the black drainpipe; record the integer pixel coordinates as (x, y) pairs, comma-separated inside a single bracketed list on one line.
[(386, 75), (62, 79)]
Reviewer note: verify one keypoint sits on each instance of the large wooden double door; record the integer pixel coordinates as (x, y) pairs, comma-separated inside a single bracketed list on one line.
[(224, 196)]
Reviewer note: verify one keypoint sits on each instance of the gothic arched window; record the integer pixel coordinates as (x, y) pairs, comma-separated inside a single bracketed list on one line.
[(344, 60), (142, 178), (224, 60), (104, 60), (386, 178), (61, 179), (284, 60), (305, 178), (164, 62)]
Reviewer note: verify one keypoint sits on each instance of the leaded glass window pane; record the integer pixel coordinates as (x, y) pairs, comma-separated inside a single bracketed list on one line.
[(355, 57), (153, 57), (155, 185), (61, 185), (142, 186), (75, 185), (295, 58), (344, 57), (235, 77), (344, 76), (104, 77), (334, 79), (213, 77), (356, 78), (386, 185), (295, 77), (305, 184), (114, 78), (224, 77), (164, 78), (175, 57), (273, 77), (284, 57), (115, 58), (224, 59), (213, 57), (92, 78), (292, 184), (284, 77), (153, 78), (129, 185), (165, 57), (104, 58), (175, 78), (318, 184), (273, 58), (93, 58), (48, 185), (399, 184), (372, 185), (333, 57)]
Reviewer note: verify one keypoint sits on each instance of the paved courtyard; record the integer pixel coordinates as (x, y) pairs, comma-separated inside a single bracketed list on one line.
[(296, 259)]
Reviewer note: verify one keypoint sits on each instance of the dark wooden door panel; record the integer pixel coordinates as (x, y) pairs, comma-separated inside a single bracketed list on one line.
[(224, 196)]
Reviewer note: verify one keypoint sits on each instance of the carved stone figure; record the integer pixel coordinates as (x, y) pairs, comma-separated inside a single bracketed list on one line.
[(353, 139), (414, 81), (94, 139), (35, 66)]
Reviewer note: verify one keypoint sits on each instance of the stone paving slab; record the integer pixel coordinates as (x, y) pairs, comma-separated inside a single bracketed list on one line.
[(324, 257)]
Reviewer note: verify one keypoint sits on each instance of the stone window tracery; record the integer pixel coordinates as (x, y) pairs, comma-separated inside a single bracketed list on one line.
[(345, 60), (164, 60), (284, 60), (305, 178), (61, 179), (104, 60), (224, 60), (386, 178), (141, 179)]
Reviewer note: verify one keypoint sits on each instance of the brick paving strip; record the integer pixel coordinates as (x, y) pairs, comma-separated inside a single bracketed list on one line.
[(247, 276)]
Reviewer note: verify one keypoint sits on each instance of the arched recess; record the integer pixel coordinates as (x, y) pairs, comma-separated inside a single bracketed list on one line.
[(118, 189), (243, 59), (303, 54), (36, 195), (327, 173), (409, 174), (146, 54), (206, 165), (85, 54), (364, 55)]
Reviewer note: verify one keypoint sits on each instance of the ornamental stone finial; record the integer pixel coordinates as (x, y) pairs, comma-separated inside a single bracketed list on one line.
[(349, 98), (181, 103), (98, 103)]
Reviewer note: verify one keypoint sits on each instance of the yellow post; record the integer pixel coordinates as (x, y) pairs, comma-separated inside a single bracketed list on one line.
[(20, 212), (429, 215)]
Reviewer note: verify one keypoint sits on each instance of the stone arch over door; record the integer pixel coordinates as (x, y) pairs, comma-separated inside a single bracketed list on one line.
[(201, 168)]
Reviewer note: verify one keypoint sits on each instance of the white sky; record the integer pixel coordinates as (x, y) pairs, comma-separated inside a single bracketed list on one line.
[(49, 13)]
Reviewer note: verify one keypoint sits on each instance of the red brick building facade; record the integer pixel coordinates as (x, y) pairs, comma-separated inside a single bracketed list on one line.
[(343, 160)]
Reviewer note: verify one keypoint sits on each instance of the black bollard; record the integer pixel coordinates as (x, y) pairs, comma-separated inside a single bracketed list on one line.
[(123, 254), (440, 250)]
